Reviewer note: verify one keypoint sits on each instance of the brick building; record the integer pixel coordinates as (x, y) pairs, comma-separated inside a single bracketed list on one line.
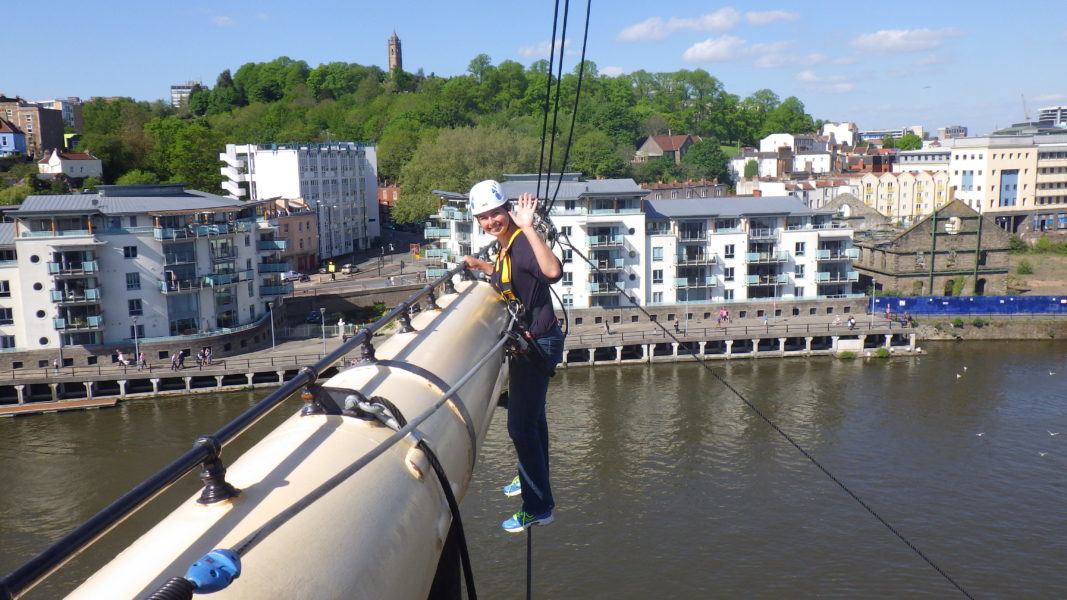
[(43, 127), (954, 251)]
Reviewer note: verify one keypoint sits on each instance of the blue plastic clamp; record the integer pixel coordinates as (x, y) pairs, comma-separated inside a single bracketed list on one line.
[(214, 571)]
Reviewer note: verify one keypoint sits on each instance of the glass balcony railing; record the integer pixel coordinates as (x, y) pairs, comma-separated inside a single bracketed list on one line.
[(766, 257), (600, 241), (762, 233), (180, 286), (692, 235), (695, 259), (72, 268), (771, 279), (836, 276), (215, 279), (432, 273), (57, 233), (442, 254), (436, 233), (273, 267), (276, 290), (86, 295), (598, 287), (195, 231), (271, 245), (610, 264), (837, 254), (695, 282), (90, 322)]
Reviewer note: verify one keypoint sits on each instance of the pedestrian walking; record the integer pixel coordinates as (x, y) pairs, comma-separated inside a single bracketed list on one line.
[(142, 362), (55, 364), (607, 329), (174, 361)]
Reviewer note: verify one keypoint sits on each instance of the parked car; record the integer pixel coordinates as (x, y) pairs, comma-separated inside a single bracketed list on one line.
[(314, 317), (349, 269), (294, 276)]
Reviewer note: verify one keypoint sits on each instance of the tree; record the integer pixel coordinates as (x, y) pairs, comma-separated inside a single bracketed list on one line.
[(479, 66), (656, 170), (751, 168), (909, 141), (15, 194), (194, 158), (596, 155), (137, 177), (788, 117), (707, 160), (455, 160)]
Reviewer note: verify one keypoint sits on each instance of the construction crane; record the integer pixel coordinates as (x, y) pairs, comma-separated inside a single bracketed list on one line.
[(1026, 111)]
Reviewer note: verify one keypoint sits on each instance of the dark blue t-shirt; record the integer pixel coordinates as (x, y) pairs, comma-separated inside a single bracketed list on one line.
[(531, 286)]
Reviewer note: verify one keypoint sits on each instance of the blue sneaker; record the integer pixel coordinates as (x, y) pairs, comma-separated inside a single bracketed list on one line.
[(514, 488), (521, 520)]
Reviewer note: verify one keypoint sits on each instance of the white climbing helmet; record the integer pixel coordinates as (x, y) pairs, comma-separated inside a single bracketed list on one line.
[(485, 196)]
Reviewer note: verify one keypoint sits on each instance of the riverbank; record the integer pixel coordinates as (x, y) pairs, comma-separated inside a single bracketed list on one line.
[(978, 328)]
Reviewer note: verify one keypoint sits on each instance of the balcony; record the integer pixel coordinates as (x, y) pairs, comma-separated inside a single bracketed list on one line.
[(273, 267), (434, 273), (436, 233), (598, 288), (78, 323), (76, 296), (272, 245), (772, 279), (448, 213), (762, 233), (695, 282), (839, 277), (217, 279), (85, 267), (837, 254), (610, 264), (724, 230), (58, 233), (766, 257), (198, 231), (441, 254), (606, 241), (695, 259), (280, 289), (690, 237), (179, 259), (568, 212), (610, 215), (180, 286)]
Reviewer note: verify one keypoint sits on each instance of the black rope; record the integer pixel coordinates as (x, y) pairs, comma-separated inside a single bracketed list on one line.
[(529, 563), (559, 88), (786, 436), (446, 487), (548, 96), (574, 111)]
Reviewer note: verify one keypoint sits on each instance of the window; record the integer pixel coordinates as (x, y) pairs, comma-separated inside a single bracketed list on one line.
[(133, 281), (7, 317), (5, 289), (129, 251), (135, 308), (568, 256), (568, 278), (728, 251), (728, 295), (251, 289), (565, 230), (728, 274), (657, 296), (657, 276), (137, 331), (799, 292), (248, 240), (657, 253), (799, 273), (7, 341), (568, 300), (800, 249), (133, 221)]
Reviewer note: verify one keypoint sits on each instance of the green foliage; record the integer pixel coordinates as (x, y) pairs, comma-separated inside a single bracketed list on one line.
[(979, 322), (957, 323), (706, 160), (1016, 245), (90, 183), (958, 285), (751, 168), (909, 141), (456, 159), (136, 177), (846, 355), (596, 155), (15, 194), (1024, 268), (882, 353)]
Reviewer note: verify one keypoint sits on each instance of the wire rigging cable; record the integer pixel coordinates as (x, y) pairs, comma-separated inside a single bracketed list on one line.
[(548, 96), (574, 113), (779, 430), (559, 88)]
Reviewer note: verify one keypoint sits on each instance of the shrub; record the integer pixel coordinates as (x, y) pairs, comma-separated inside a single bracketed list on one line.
[(957, 286), (846, 355), (1025, 268), (882, 353), (1017, 245), (979, 322), (957, 323)]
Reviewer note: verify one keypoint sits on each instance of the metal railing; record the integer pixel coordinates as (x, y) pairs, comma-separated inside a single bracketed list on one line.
[(767, 257), (271, 245), (619, 338), (204, 453), (83, 267), (86, 295)]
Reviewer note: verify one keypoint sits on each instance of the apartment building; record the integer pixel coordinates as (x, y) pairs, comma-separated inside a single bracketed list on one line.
[(927, 159), (338, 180), (674, 250), (1057, 115), (141, 262), (180, 92), (43, 127), (70, 107), (904, 197)]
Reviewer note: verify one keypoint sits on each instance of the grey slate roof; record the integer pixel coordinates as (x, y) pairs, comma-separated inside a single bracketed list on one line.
[(569, 189), (727, 206), (135, 200), (7, 234)]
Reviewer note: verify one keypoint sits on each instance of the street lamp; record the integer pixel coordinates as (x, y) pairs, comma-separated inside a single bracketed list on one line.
[(322, 320), (270, 309), (136, 350)]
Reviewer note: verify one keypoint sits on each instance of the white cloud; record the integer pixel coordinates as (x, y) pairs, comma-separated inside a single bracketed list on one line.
[(770, 16), (657, 28), (903, 40), (221, 21), (612, 71), (721, 49), (540, 49), (831, 84)]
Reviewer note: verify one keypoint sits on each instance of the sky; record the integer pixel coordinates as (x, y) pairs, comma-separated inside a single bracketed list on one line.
[(886, 65)]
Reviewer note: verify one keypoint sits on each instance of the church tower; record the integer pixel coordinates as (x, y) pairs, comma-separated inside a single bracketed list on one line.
[(396, 59)]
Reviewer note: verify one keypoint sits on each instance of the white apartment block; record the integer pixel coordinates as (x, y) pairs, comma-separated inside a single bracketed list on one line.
[(841, 134), (674, 251), (914, 161), (951, 132), (339, 180), (180, 92), (1057, 115), (904, 197), (142, 261)]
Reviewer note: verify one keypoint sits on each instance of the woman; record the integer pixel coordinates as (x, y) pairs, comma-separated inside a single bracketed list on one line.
[(523, 270)]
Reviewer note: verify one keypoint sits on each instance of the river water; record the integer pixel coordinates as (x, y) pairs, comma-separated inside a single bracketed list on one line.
[(669, 487)]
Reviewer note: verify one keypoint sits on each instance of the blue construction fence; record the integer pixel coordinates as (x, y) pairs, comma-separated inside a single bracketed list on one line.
[(972, 305)]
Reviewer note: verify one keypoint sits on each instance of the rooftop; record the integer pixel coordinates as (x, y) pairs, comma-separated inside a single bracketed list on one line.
[(729, 206), (127, 199)]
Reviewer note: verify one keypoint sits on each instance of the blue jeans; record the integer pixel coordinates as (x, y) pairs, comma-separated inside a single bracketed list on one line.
[(527, 425)]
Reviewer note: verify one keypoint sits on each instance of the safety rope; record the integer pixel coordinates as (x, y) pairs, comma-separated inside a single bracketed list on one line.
[(574, 112), (529, 563), (555, 109), (548, 96), (704, 363)]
